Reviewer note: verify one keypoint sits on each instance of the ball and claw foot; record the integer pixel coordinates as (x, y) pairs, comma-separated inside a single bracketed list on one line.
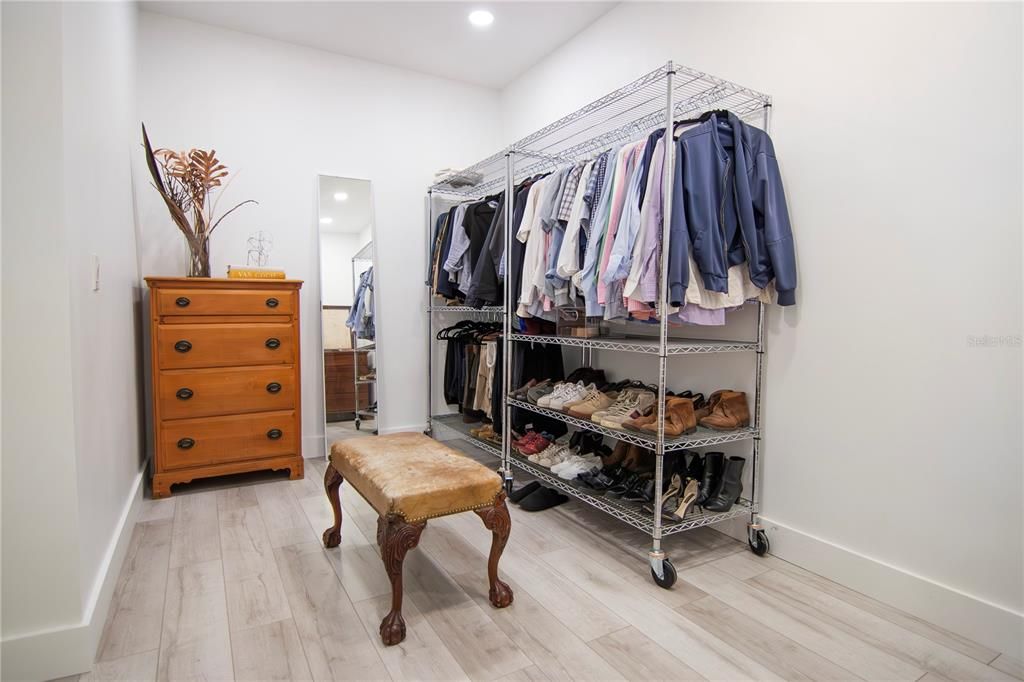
[(501, 595), (332, 537), (392, 628)]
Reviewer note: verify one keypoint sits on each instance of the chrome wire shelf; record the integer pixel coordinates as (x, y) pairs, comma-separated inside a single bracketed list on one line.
[(488, 310), (628, 113), (454, 423), (701, 438), (648, 346), (629, 513)]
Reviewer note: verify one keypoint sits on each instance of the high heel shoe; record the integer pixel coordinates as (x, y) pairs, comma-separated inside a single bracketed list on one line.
[(668, 499), (685, 502)]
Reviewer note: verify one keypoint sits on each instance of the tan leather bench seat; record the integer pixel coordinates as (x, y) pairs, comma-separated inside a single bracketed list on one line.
[(414, 476)]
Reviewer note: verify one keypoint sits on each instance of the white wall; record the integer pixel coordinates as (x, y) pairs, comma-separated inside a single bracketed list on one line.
[(72, 457), (336, 251), (282, 114), (106, 324), (892, 445)]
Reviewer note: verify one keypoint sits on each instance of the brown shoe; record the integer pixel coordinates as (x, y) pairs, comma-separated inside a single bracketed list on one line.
[(709, 406), (618, 454), (638, 459), (680, 418), (730, 412)]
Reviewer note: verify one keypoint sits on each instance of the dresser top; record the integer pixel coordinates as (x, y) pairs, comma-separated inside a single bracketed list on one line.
[(222, 283)]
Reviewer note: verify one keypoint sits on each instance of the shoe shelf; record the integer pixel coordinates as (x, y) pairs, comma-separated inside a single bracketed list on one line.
[(628, 512), (646, 345), (697, 439), (454, 423)]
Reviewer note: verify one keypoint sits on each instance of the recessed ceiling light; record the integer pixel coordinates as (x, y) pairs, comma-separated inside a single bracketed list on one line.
[(326, 221), (481, 18), (341, 196)]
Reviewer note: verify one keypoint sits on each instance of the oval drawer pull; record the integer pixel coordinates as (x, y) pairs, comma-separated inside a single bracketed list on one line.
[(182, 301), (183, 346), (184, 393), (273, 387), (272, 302), (274, 434), (186, 443), (273, 344)]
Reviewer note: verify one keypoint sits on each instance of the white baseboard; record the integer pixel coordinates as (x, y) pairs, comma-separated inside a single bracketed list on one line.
[(420, 428), (992, 625), (71, 649)]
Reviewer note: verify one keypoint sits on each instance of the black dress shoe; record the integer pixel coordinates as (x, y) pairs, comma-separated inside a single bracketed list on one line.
[(641, 493), (625, 486), (711, 477)]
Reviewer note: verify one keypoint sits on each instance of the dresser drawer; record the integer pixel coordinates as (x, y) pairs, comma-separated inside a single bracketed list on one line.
[(213, 440), (224, 302), (186, 346), (183, 394)]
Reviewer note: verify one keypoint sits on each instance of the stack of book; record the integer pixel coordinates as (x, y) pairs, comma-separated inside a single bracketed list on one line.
[(254, 272)]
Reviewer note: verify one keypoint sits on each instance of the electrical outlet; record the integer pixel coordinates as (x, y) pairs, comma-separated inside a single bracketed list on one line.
[(95, 272)]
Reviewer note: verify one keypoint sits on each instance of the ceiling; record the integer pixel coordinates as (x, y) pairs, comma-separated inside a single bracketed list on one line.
[(430, 37), (350, 216)]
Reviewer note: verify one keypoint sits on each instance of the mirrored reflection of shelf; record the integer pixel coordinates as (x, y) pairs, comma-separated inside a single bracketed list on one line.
[(697, 439)]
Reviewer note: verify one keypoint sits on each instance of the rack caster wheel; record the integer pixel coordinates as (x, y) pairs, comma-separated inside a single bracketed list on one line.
[(758, 542), (669, 575), (357, 424)]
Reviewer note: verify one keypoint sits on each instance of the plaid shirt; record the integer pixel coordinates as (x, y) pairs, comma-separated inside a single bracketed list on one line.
[(571, 183), (593, 195)]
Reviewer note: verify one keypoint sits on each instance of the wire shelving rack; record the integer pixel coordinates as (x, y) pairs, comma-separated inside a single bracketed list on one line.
[(655, 100)]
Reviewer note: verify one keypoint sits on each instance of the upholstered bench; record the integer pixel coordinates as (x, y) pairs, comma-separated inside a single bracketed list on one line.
[(409, 478)]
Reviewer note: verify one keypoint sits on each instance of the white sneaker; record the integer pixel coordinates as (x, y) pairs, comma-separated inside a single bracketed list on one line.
[(576, 466), (553, 455), (640, 405), (571, 396), (625, 396), (559, 391)]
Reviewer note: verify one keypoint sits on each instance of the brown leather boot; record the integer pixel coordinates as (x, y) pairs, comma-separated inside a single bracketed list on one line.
[(730, 412), (709, 406), (679, 418), (618, 454)]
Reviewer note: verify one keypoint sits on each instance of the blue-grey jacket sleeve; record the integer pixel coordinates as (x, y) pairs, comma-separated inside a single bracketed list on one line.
[(770, 202), (679, 237)]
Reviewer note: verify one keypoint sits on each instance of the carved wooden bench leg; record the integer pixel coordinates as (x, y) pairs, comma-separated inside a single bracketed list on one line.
[(395, 537), (497, 520), (332, 480)]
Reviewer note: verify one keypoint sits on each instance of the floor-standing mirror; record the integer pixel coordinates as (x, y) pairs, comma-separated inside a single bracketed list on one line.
[(349, 307)]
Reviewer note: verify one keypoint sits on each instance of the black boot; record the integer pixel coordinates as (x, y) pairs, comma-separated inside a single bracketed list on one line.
[(695, 469), (732, 486), (711, 476)]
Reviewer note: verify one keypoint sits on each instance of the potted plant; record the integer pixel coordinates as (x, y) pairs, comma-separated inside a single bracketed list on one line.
[(185, 181)]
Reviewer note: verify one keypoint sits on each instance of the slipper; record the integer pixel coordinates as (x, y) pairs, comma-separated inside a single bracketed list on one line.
[(517, 495), (544, 498)]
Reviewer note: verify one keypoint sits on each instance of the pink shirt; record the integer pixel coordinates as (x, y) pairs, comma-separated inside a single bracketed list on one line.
[(629, 161)]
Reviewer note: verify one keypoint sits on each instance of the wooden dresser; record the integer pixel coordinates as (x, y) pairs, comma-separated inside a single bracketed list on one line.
[(225, 365)]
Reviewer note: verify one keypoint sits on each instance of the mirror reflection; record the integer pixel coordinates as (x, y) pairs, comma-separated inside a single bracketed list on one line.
[(348, 307)]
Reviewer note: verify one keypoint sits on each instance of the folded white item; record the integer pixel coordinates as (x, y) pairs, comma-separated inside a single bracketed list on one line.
[(576, 465)]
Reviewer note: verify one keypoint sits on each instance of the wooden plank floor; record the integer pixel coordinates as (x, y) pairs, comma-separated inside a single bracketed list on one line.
[(232, 583)]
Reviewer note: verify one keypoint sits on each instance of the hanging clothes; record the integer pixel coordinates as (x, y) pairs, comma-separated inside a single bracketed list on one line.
[(360, 318)]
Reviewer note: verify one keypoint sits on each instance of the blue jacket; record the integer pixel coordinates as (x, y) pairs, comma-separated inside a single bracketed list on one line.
[(728, 204)]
